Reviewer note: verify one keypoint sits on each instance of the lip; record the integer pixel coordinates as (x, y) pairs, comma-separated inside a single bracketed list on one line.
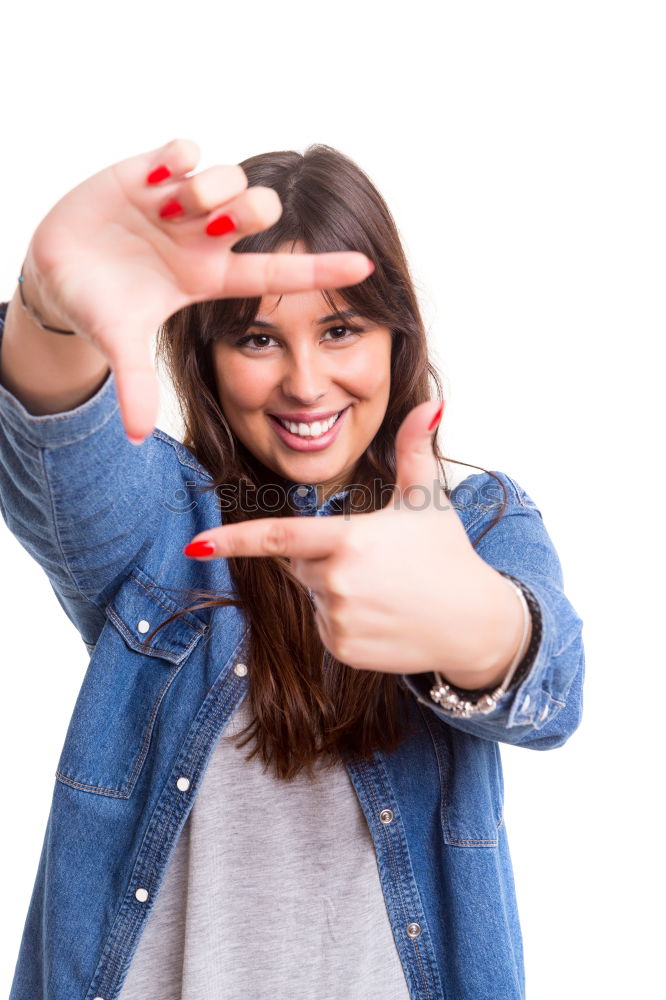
[(307, 416), (297, 443)]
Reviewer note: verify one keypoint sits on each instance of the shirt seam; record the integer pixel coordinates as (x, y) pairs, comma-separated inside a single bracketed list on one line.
[(183, 455), (59, 545)]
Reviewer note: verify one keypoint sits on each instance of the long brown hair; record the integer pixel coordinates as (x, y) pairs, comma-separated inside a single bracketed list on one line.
[(305, 704)]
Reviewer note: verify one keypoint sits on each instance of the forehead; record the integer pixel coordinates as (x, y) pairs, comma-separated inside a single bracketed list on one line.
[(310, 304)]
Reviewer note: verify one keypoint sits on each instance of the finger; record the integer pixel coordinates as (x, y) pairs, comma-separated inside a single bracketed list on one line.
[(275, 536), (416, 464), (255, 274), (254, 209), (211, 190), (169, 162), (137, 386), (247, 212)]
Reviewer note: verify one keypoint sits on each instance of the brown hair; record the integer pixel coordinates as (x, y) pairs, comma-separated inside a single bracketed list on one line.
[(305, 704)]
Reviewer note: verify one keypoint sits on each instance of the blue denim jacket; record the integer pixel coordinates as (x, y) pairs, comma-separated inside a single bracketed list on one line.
[(107, 521)]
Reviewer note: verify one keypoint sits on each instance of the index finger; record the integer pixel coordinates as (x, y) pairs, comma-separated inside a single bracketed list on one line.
[(255, 274), (303, 538)]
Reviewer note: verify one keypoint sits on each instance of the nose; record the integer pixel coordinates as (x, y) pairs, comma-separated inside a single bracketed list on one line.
[(305, 379)]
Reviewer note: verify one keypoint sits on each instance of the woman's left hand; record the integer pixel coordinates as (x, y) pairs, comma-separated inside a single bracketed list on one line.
[(401, 589)]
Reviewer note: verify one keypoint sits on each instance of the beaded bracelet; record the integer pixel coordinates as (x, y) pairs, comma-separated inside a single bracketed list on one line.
[(457, 700), (34, 315)]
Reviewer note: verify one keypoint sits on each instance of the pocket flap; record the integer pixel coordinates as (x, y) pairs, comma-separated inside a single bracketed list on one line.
[(139, 606)]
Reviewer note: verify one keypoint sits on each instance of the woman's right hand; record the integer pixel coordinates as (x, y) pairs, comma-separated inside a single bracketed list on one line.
[(104, 264)]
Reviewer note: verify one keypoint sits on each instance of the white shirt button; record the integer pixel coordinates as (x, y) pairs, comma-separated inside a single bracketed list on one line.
[(143, 625), (240, 669), (141, 895), (413, 930), (183, 784), (386, 816), (302, 491)]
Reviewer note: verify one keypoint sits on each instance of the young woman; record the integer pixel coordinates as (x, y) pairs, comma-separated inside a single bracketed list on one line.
[(296, 575)]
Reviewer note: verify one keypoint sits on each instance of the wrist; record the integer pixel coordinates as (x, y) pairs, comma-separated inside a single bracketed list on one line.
[(499, 635), (468, 702), (29, 302), (514, 630)]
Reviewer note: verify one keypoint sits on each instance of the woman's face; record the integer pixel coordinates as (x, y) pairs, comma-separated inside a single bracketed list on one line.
[(295, 364)]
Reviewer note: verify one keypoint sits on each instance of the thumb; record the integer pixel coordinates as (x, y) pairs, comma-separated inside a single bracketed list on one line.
[(416, 465), (137, 385)]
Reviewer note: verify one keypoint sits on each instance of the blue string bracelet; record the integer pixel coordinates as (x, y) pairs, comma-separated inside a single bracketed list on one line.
[(34, 316)]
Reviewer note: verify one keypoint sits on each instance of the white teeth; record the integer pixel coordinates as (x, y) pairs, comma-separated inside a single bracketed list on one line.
[(315, 429)]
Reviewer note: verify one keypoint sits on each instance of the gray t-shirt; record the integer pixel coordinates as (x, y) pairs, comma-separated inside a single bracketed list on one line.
[(272, 892)]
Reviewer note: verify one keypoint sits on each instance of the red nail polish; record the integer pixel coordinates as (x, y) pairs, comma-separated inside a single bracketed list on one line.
[(171, 210), (159, 174), (223, 224), (436, 419), (199, 549)]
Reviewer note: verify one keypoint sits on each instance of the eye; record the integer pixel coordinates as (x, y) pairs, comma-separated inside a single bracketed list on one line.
[(353, 330), (244, 341)]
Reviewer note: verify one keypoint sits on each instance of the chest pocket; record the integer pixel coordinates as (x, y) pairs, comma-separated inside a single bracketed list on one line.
[(117, 708), (472, 785)]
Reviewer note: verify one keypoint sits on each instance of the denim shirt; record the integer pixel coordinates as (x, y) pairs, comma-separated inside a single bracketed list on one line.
[(107, 521)]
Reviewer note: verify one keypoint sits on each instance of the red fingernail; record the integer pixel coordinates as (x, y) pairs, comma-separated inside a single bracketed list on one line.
[(159, 174), (199, 549), (223, 224), (135, 440), (436, 419), (171, 209)]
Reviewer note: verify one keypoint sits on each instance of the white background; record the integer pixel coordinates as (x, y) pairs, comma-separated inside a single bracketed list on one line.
[(520, 146)]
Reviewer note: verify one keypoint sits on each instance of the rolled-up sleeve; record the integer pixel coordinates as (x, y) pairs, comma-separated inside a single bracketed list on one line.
[(546, 707), (78, 496)]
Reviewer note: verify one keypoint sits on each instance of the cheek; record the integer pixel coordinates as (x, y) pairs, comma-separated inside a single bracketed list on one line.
[(241, 385), (371, 374)]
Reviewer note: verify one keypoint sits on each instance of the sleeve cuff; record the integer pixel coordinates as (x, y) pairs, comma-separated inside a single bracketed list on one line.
[(527, 703), (50, 430)]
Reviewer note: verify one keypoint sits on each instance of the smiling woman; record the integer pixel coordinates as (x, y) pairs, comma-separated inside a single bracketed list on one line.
[(307, 405), (359, 849)]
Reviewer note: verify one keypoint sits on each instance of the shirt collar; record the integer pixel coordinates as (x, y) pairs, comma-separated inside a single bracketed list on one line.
[(303, 499)]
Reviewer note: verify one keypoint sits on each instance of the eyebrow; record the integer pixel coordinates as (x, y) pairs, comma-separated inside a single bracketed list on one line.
[(347, 314)]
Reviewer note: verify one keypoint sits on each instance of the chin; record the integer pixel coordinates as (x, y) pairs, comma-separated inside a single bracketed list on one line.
[(308, 474), (311, 473)]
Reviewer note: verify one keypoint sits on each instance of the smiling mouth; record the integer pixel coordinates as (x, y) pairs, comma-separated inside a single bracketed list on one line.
[(313, 429)]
